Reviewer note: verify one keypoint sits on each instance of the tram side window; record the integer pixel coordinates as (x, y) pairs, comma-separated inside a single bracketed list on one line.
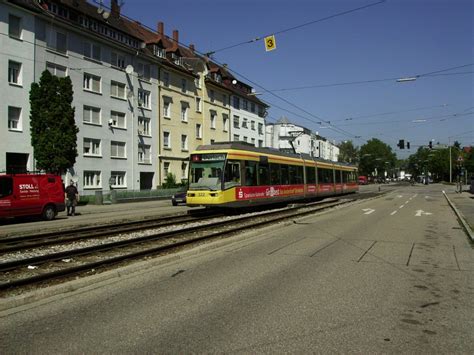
[(263, 175), (6, 186), (250, 173), (275, 174), (232, 174), (325, 176), (310, 175), (338, 176), (299, 175), (284, 175), (291, 174)]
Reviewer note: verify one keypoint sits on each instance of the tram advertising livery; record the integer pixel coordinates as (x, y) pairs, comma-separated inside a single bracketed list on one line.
[(237, 174)]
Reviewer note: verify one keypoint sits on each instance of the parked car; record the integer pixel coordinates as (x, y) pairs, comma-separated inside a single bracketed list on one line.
[(31, 195), (178, 198)]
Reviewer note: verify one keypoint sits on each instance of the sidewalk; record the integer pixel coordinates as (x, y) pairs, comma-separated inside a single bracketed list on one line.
[(463, 206), (90, 215)]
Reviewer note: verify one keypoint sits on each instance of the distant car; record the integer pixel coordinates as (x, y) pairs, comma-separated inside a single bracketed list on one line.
[(178, 198)]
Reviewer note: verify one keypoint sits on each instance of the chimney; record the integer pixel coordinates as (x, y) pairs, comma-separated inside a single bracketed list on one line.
[(161, 29), (176, 36), (115, 9), (191, 47)]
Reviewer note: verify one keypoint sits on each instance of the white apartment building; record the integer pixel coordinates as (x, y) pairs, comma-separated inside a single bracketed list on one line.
[(116, 109), (285, 136), (247, 114)]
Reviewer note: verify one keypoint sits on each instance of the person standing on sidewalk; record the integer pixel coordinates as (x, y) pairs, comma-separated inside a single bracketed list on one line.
[(72, 197)]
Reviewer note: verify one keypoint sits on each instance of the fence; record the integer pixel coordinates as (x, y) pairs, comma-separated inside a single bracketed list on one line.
[(120, 196)]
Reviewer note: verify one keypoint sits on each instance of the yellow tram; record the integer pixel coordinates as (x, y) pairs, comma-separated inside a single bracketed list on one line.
[(236, 174)]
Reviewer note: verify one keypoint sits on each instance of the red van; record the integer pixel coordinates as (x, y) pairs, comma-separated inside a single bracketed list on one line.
[(31, 195), (363, 180)]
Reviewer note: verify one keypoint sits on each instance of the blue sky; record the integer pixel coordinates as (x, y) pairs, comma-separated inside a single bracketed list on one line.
[(392, 39)]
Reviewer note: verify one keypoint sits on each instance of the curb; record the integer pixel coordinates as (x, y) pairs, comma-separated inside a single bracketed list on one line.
[(465, 225)]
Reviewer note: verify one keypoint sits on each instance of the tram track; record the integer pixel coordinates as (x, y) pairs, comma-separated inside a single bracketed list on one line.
[(61, 265)]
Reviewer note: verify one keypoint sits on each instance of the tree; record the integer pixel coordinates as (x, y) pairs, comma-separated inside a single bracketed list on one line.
[(348, 153), (53, 129), (376, 158)]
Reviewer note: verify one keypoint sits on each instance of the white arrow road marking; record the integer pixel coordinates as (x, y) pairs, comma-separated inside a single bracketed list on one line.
[(368, 210), (421, 212)]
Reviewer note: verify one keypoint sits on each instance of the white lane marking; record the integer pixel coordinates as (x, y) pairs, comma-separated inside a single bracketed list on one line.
[(401, 206), (368, 210), (391, 214), (407, 202), (400, 196), (421, 212)]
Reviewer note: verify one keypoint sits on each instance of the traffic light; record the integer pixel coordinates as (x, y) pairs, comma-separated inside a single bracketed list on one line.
[(430, 144), (401, 144), (408, 145)]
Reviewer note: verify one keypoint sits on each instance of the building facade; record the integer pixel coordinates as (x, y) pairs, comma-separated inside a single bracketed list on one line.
[(288, 137)]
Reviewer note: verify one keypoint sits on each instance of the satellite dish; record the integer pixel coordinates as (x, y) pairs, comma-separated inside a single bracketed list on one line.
[(100, 10), (129, 69), (106, 15), (234, 81), (75, 178), (129, 94), (142, 45)]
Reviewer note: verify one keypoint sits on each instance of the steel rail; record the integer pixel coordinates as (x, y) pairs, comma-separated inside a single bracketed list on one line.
[(237, 222)]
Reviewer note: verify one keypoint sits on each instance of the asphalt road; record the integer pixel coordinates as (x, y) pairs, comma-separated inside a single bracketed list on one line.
[(389, 275)]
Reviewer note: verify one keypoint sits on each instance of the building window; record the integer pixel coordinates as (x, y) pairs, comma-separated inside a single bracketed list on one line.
[(236, 138), (224, 100), (236, 102), (184, 168), (92, 51), (245, 139), (166, 140), (166, 79), (144, 154), (14, 26), (252, 125), (260, 143), (56, 70), (236, 122), (197, 82), (166, 107), (144, 126), (184, 111), (91, 83), (211, 95), (198, 104), (184, 85), (117, 60), (166, 168), (57, 41), (198, 131), (245, 104), (144, 98), (253, 141), (92, 147), (117, 89), (92, 179), (260, 128), (252, 107), (213, 119), (117, 119), (14, 72), (184, 142), (225, 121), (117, 179), (144, 71), (117, 149), (91, 115), (14, 118), (244, 123)]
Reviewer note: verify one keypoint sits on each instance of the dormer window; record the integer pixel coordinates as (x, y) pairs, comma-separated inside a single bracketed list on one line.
[(218, 77), (159, 52), (176, 59)]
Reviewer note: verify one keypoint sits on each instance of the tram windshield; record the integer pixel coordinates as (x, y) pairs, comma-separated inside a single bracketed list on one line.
[(206, 174)]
